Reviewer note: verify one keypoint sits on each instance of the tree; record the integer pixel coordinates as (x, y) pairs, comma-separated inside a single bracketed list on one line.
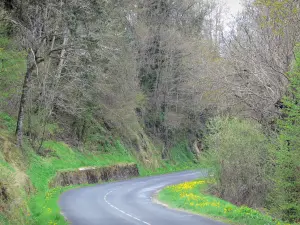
[(38, 35), (167, 33), (285, 196), (261, 50)]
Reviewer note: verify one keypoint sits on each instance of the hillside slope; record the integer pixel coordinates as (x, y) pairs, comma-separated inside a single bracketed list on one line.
[(25, 196)]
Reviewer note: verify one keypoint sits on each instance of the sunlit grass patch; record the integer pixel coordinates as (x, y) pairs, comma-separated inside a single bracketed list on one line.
[(44, 204), (45, 209), (191, 196)]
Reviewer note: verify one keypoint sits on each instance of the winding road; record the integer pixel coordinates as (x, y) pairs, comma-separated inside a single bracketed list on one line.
[(128, 203)]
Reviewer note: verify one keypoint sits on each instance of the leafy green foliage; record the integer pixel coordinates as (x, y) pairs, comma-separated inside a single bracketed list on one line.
[(286, 195)]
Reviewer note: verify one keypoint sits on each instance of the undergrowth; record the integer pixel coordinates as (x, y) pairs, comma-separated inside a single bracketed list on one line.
[(192, 197)]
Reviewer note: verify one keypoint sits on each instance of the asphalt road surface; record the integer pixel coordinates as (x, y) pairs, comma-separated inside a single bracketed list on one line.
[(128, 203)]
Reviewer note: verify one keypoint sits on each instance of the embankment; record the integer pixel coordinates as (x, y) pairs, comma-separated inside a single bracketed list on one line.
[(93, 175)]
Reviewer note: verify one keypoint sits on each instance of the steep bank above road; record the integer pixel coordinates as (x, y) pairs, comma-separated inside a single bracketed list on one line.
[(93, 175)]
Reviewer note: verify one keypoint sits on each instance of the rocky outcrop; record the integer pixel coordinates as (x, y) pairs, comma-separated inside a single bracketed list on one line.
[(94, 175)]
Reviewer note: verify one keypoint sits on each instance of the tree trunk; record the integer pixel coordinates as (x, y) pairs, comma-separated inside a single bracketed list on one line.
[(62, 54), (21, 115)]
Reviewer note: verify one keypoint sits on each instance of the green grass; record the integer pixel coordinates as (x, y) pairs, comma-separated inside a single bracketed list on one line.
[(3, 220), (181, 159), (42, 169), (44, 208), (191, 196), (8, 122), (43, 203)]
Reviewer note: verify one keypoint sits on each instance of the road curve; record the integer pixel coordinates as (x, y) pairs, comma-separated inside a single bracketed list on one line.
[(128, 202)]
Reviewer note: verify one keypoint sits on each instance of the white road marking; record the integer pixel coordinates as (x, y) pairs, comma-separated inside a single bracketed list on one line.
[(127, 214), (143, 190)]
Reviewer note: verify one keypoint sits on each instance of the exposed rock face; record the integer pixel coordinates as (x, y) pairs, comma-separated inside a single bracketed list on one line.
[(94, 175)]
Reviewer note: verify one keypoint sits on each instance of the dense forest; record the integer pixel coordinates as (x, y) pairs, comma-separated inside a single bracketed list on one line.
[(160, 80)]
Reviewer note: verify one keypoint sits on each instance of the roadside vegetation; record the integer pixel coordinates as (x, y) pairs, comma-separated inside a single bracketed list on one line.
[(254, 172), (168, 85), (255, 166), (29, 198), (194, 197), (239, 155)]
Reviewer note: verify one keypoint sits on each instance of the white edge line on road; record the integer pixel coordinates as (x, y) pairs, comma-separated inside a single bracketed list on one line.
[(105, 199)]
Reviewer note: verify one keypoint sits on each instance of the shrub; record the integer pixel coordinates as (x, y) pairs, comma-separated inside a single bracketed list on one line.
[(237, 152)]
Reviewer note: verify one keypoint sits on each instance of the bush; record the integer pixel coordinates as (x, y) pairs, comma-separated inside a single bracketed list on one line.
[(237, 152)]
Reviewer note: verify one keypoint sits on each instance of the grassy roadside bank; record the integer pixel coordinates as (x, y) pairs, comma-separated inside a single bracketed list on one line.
[(191, 196), (43, 202), (44, 205), (25, 178), (50, 211), (34, 202)]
